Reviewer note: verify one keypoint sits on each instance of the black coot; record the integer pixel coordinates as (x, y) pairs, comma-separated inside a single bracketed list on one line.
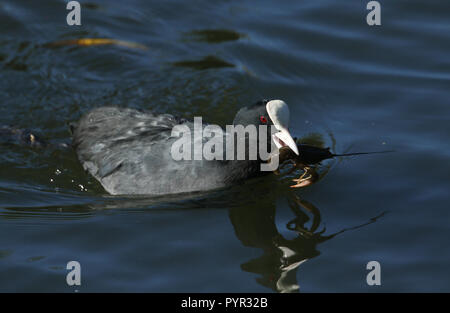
[(129, 151)]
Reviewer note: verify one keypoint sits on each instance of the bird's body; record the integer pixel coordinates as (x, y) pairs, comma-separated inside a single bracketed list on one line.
[(129, 152)]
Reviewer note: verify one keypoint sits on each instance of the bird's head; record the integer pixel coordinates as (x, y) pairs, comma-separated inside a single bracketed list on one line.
[(269, 112)]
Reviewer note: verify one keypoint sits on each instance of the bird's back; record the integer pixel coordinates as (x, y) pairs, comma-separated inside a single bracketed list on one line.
[(129, 152)]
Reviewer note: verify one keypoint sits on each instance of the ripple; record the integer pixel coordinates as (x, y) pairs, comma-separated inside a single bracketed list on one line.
[(213, 35), (205, 63)]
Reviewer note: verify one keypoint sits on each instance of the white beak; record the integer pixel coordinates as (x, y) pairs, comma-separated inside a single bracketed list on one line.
[(279, 114), (283, 138)]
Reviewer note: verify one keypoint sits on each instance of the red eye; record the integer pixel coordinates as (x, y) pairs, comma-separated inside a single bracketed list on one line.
[(263, 119)]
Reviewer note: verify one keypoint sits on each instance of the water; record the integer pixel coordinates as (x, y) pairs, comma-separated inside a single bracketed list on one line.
[(354, 87)]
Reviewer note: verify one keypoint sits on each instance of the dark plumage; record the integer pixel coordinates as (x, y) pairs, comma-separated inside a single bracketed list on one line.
[(129, 152)]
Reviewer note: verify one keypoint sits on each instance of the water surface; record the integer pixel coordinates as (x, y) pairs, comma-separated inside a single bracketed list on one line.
[(354, 87)]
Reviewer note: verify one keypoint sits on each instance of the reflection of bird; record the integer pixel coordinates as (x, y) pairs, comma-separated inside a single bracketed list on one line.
[(255, 227), (129, 151)]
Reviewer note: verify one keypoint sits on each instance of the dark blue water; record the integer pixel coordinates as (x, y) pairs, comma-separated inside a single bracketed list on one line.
[(348, 85)]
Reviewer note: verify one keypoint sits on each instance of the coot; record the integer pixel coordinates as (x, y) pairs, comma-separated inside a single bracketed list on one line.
[(130, 151)]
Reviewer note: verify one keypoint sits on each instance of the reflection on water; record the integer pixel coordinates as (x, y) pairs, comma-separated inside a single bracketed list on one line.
[(205, 63), (255, 227), (213, 35)]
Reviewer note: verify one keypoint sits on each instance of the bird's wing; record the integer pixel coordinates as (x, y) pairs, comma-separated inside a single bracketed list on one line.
[(103, 137)]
